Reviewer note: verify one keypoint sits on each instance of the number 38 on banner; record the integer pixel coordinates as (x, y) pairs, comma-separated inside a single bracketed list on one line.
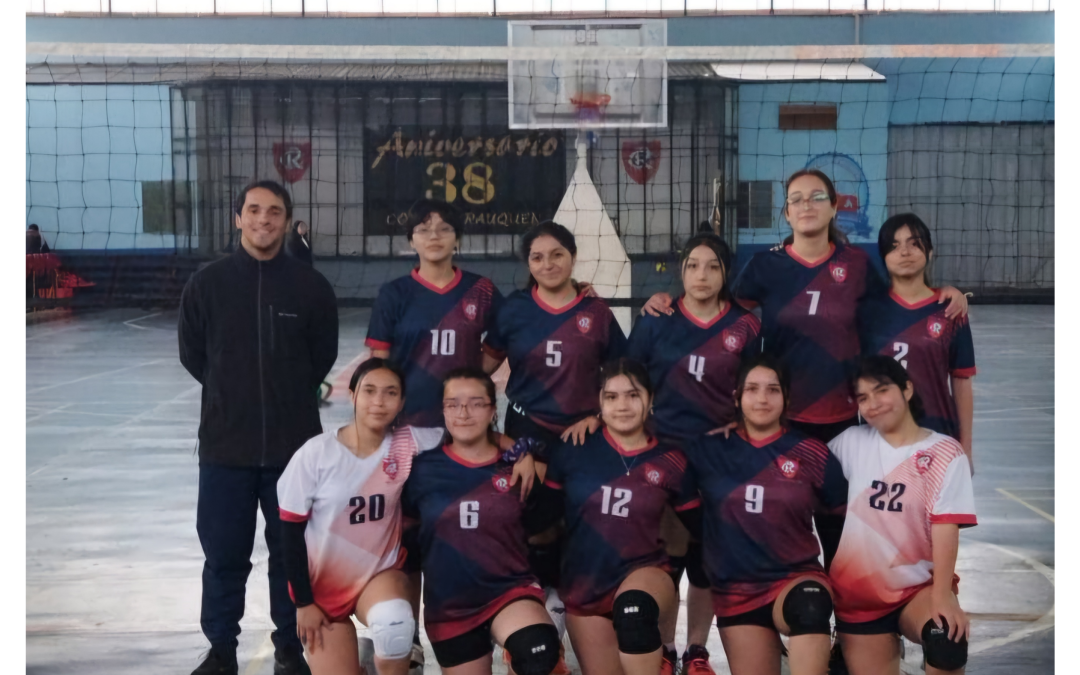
[(476, 188)]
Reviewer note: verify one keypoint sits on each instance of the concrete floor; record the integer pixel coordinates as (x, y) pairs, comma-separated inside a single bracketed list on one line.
[(113, 562)]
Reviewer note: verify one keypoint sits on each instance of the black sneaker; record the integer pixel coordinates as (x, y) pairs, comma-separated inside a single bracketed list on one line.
[(290, 661), (836, 661), (219, 661)]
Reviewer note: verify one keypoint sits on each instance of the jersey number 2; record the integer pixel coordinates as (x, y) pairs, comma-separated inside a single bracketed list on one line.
[(443, 342), (619, 508), (901, 351), (376, 505)]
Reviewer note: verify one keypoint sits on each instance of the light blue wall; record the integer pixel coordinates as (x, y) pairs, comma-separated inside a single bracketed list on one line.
[(88, 150), (861, 139)]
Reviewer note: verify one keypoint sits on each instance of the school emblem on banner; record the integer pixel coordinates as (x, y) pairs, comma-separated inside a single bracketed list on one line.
[(935, 327), (292, 160), (584, 323), (788, 467), (838, 272), (641, 159)]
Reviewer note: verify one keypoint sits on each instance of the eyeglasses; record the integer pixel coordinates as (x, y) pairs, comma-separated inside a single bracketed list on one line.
[(438, 232), (817, 199), (474, 406)]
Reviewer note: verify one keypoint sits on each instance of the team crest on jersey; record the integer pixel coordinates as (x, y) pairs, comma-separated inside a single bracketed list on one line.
[(470, 311), (733, 342), (654, 475), (501, 482), (584, 323), (935, 327), (390, 467), (923, 461), (838, 272), (789, 467)]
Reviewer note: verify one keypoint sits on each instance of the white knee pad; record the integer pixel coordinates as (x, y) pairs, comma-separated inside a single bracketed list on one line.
[(392, 626)]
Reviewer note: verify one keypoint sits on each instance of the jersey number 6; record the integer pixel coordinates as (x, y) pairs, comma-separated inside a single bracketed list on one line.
[(470, 515)]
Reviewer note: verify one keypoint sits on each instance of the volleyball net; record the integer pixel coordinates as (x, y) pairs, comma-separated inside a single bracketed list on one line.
[(138, 158)]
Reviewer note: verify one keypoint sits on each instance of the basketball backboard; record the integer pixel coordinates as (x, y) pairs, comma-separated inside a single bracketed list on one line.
[(553, 92)]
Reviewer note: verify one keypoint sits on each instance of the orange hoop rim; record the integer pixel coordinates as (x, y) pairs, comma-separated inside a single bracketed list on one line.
[(595, 101)]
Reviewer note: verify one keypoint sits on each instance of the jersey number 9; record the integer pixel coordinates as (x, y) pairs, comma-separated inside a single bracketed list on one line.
[(622, 499), (755, 498), (470, 515)]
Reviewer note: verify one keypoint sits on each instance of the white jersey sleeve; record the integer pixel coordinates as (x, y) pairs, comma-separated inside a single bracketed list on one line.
[(298, 483), (956, 499), (427, 438), (848, 442)]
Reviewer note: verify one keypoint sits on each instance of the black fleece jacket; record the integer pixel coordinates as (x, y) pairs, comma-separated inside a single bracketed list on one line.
[(260, 336)]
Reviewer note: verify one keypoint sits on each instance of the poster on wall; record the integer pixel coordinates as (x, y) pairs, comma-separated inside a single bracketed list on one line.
[(503, 182)]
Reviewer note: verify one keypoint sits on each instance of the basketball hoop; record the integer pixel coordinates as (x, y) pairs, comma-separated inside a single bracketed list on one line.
[(590, 107)]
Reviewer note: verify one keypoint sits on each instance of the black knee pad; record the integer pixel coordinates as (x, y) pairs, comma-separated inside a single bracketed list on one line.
[(695, 566), (636, 618), (808, 608), (941, 652), (533, 650)]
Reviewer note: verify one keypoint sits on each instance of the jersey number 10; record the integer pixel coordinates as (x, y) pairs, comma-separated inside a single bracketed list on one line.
[(443, 342)]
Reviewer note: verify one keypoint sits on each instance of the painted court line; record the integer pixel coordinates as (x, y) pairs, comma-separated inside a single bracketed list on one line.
[(90, 377), (1045, 622), (1036, 509), (266, 649), (131, 322)]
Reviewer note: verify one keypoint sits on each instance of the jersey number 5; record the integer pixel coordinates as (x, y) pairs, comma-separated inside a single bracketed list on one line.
[(443, 342), (470, 515), (894, 492), (376, 505), (619, 508), (554, 355)]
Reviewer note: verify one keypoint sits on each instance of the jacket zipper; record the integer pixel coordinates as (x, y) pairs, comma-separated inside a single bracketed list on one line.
[(262, 382)]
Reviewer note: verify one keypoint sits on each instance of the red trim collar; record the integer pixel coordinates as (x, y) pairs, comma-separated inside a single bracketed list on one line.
[(432, 287), (922, 303), (763, 442), (623, 451), (464, 462), (551, 310), (698, 322), (806, 263)]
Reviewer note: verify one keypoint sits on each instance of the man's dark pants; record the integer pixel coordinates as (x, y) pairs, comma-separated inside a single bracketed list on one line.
[(228, 500)]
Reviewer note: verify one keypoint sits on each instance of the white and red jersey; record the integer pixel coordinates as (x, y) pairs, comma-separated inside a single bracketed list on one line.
[(352, 506), (895, 495)]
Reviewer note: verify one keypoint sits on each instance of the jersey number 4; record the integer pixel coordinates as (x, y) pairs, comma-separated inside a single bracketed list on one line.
[(697, 367), (376, 506), (891, 492), (622, 498), (443, 342)]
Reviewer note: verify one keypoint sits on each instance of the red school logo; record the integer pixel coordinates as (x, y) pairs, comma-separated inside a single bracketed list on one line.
[(935, 327), (292, 160), (923, 461), (390, 467), (641, 159), (654, 475), (838, 272), (733, 342), (788, 467), (584, 322), (470, 311), (501, 482)]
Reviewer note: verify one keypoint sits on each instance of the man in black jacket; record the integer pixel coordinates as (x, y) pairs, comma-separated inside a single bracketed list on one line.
[(259, 331)]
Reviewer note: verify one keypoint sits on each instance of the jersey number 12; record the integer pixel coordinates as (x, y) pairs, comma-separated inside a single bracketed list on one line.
[(619, 508)]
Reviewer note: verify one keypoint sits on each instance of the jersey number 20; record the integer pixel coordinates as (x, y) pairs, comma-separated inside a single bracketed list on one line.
[(619, 508), (376, 506)]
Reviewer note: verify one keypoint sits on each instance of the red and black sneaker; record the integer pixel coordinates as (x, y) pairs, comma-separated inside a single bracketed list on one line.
[(696, 661)]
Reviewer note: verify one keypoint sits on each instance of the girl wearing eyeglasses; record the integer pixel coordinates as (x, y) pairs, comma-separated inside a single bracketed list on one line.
[(431, 321), (478, 588)]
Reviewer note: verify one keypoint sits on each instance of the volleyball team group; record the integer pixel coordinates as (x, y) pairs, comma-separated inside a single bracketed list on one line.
[(710, 441)]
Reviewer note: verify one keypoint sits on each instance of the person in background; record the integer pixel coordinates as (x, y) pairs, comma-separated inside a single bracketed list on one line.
[(35, 243), (297, 244), (259, 331)]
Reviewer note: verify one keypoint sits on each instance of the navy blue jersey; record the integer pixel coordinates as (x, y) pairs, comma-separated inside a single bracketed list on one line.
[(758, 499), (927, 344), (614, 501), (555, 355), (693, 366), (429, 331), (472, 540), (808, 319)]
